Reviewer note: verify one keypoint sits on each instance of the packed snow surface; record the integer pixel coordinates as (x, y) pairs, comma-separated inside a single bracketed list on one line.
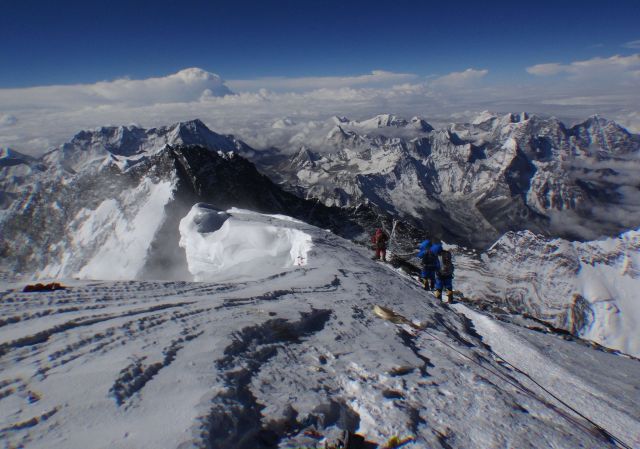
[(286, 356)]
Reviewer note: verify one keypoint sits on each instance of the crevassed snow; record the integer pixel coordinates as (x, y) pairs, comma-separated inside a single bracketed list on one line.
[(239, 244)]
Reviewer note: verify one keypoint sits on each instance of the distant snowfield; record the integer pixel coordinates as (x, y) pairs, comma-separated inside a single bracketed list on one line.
[(261, 360)]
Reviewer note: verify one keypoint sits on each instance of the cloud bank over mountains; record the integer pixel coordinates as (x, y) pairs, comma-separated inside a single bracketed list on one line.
[(376, 77), (34, 119), (615, 68)]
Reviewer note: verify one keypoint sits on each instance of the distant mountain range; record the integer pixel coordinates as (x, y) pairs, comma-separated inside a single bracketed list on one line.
[(472, 182)]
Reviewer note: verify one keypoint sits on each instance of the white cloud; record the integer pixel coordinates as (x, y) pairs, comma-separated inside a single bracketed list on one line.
[(632, 44), (459, 79), (614, 68), (375, 78), (186, 85), (552, 68)]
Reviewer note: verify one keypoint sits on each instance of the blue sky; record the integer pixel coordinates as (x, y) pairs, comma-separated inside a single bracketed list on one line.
[(243, 66), (66, 42)]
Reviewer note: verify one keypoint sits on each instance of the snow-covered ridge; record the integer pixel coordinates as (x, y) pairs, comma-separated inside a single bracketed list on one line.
[(125, 145), (289, 358), (392, 121), (9, 157)]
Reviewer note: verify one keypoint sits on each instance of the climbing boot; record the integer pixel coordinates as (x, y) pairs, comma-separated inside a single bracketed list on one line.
[(449, 296), (438, 293)]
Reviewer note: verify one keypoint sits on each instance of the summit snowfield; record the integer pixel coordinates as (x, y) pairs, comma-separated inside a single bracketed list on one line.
[(289, 352)]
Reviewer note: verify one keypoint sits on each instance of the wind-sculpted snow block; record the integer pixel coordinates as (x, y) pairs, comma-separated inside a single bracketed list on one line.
[(241, 244)]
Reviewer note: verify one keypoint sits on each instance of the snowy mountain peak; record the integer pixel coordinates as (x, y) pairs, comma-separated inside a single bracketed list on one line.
[(336, 119), (193, 125), (304, 157), (120, 143), (386, 124), (195, 132), (596, 123), (9, 157), (339, 135), (483, 117), (605, 136), (420, 124), (492, 119), (383, 121)]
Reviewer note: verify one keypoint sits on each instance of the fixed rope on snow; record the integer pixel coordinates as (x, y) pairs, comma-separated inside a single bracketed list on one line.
[(396, 318)]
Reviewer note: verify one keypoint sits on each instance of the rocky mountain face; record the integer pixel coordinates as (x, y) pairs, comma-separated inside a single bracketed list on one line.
[(470, 183)]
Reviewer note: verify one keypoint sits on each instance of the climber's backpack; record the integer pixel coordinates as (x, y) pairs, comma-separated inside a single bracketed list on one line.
[(446, 264), (429, 261)]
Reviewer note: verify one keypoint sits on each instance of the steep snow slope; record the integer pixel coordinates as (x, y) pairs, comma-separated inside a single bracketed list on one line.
[(112, 241), (565, 370), (589, 289), (261, 362)]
